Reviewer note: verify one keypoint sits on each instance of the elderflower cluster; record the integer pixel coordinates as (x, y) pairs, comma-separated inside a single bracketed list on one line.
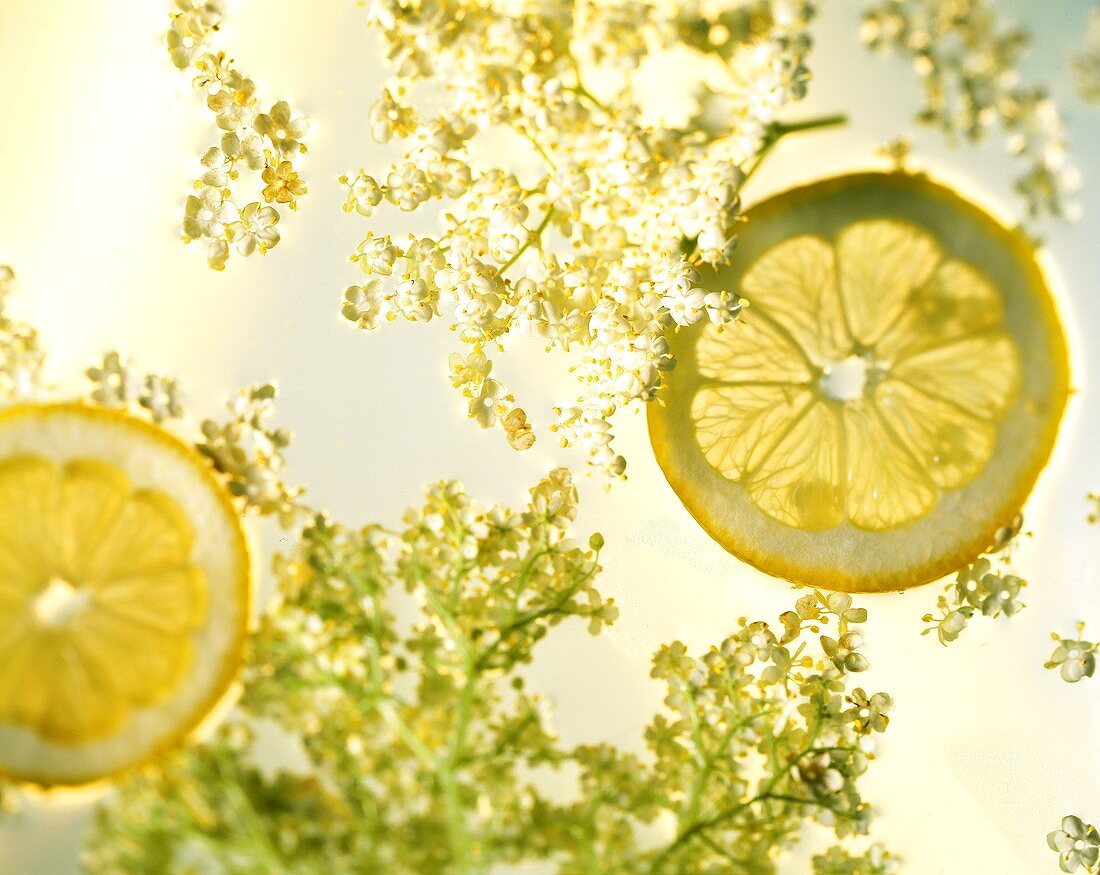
[(966, 58), (591, 231), (248, 453), (1086, 62), (259, 140), (876, 860), (978, 589), (21, 355), (119, 383), (397, 660), (1077, 844)]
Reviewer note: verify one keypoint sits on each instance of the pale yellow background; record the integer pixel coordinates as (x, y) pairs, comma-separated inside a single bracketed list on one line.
[(99, 138)]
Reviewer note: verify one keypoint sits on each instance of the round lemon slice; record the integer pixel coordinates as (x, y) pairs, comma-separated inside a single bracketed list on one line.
[(889, 397), (125, 585)]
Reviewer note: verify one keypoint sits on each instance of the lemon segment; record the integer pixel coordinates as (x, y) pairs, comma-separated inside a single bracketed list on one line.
[(869, 423), (116, 596), (124, 592), (795, 285)]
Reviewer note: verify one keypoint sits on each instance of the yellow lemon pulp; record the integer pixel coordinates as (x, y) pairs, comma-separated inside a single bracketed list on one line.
[(124, 592), (97, 597), (870, 422), (863, 404)]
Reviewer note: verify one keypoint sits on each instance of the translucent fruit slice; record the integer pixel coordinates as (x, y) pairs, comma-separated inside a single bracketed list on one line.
[(887, 401), (124, 592)]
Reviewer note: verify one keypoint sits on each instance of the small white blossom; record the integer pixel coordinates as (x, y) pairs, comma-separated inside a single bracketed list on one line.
[(595, 245), (376, 256), (262, 143)]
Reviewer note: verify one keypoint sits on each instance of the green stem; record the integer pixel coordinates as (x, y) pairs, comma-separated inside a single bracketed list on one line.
[(580, 89), (457, 836), (781, 129), (776, 131), (765, 793), (531, 616), (535, 235)]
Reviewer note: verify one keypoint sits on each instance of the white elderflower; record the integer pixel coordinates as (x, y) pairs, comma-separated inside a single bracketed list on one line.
[(413, 300), (364, 193), (1077, 844), (407, 187), (247, 150), (485, 401), (365, 305), (389, 118), (592, 242), (966, 58), (1075, 658), (256, 229), (263, 143), (470, 371), (376, 255), (207, 214), (283, 130), (118, 383)]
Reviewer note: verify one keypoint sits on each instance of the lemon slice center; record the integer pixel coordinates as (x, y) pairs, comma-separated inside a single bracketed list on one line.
[(845, 380), (866, 379), (58, 603)]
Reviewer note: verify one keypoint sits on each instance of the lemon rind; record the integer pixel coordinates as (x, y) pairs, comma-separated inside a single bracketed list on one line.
[(1026, 256), (222, 688)]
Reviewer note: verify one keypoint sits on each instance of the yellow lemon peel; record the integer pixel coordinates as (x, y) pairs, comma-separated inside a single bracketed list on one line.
[(888, 398)]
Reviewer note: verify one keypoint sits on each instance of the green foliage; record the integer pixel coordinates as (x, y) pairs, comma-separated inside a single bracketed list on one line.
[(396, 659)]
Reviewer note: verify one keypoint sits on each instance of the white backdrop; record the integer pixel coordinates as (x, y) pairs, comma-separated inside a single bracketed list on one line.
[(99, 138)]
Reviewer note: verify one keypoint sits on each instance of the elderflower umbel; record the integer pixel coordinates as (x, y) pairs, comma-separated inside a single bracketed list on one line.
[(118, 383), (263, 142), (966, 59), (397, 660), (593, 244), (248, 454)]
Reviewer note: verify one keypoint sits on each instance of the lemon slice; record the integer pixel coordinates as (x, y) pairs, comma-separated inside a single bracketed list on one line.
[(124, 592), (889, 397)]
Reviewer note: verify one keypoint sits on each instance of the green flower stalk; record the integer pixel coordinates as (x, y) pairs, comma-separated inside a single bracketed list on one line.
[(396, 659)]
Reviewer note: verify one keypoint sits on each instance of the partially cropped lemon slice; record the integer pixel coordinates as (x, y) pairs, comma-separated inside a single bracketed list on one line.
[(124, 592), (889, 397)]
